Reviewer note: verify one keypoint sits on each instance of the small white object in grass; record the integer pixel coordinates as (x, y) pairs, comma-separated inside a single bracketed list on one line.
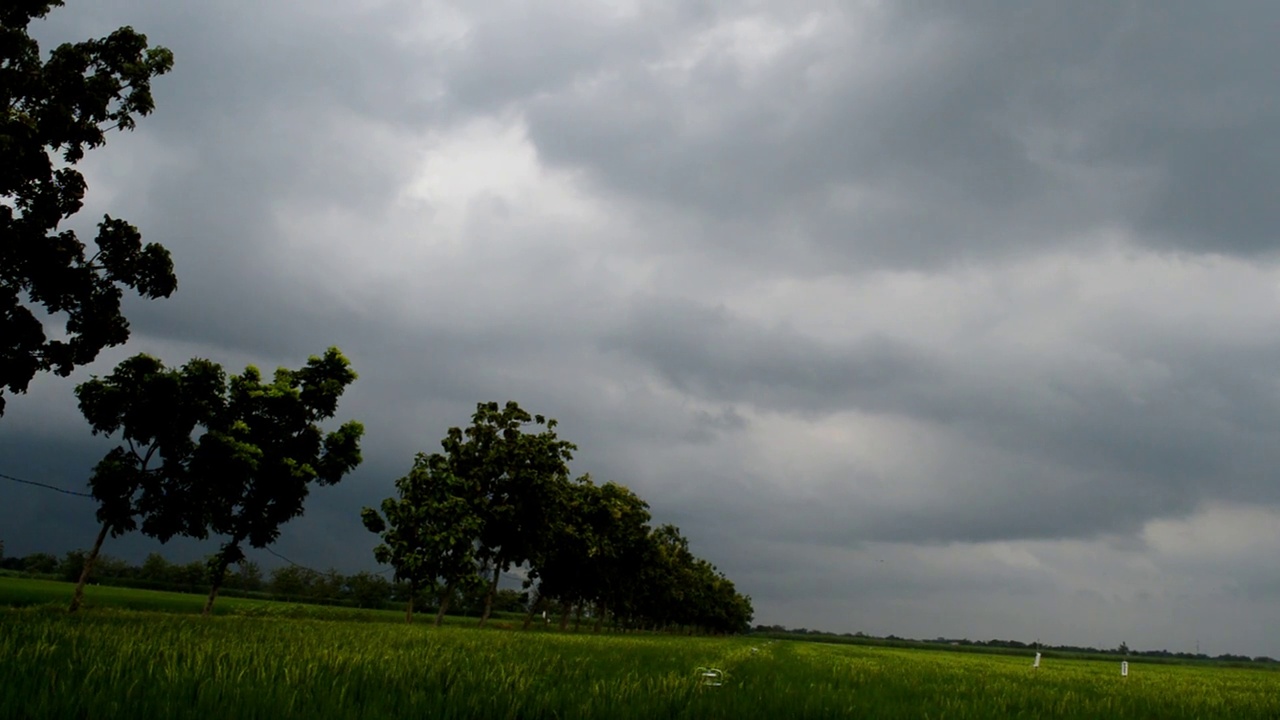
[(1124, 668), (711, 676), (1036, 662)]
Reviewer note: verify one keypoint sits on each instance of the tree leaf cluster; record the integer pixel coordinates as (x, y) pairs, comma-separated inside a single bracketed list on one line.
[(203, 453), (51, 112)]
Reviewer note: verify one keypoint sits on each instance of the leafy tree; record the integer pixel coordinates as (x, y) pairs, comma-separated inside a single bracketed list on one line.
[(156, 411), (623, 521), (40, 564), (597, 543), (329, 586), (293, 582), (562, 564), (674, 588), (261, 455), (368, 590), (72, 567), (193, 575), (665, 577), (510, 600), (516, 475), (157, 570), (248, 576), (51, 112), (429, 532)]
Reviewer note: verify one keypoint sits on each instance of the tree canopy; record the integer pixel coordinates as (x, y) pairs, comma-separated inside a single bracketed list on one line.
[(264, 450), (428, 533), (55, 110), (205, 454), (517, 477), (156, 411), (500, 497)]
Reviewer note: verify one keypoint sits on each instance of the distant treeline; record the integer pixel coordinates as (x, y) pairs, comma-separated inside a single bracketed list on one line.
[(500, 496), (1122, 651), (287, 583), (293, 583)]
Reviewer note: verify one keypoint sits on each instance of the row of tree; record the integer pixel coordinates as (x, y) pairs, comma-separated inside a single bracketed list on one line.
[(500, 496), (292, 583)]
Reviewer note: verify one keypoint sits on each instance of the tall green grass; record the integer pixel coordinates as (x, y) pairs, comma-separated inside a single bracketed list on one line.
[(118, 663)]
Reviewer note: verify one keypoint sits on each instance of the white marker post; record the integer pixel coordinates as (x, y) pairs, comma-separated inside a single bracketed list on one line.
[(1124, 668), (1036, 663), (711, 677)]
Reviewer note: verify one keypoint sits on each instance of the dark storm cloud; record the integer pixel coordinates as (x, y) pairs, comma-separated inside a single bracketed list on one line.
[(954, 131), (707, 352), (267, 110), (1064, 450)]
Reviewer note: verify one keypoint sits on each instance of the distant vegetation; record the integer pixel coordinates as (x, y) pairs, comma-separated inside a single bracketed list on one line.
[(1008, 647)]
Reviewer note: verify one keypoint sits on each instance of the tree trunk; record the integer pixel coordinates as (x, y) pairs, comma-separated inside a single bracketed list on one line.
[(577, 617), (599, 617), (78, 596), (528, 619), (445, 597), (564, 617), (215, 583), (408, 607), (488, 597)]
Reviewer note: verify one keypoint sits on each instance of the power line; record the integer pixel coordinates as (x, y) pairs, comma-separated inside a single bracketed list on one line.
[(297, 565), (304, 567), (45, 486)]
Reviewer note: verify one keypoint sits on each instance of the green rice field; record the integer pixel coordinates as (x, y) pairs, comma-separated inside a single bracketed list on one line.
[(143, 663)]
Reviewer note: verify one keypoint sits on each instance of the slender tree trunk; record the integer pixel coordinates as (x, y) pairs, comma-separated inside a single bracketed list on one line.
[(488, 597), (599, 617), (78, 596), (215, 584), (445, 597), (577, 617), (564, 617), (408, 607), (528, 619)]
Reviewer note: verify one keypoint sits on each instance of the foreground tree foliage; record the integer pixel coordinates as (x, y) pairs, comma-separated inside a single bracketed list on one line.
[(499, 497), (51, 112), (428, 533), (517, 478), (203, 454), (155, 410), (257, 462)]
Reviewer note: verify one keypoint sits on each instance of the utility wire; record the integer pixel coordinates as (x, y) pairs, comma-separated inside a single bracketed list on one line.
[(297, 565), (89, 495), (304, 567), (44, 485)]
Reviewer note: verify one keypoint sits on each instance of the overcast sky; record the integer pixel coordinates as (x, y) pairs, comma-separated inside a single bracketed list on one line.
[(923, 318)]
